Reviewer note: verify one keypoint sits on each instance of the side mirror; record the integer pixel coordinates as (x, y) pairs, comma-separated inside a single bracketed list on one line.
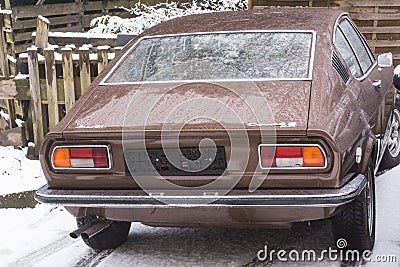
[(396, 77), (385, 60)]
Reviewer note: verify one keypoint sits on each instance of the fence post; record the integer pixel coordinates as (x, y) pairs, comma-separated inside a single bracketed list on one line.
[(102, 57), (7, 4), (11, 113), (5, 69), (68, 75), (375, 24), (36, 103), (51, 86), (250, 4), (3, 50), (42, 32), (84, 68)]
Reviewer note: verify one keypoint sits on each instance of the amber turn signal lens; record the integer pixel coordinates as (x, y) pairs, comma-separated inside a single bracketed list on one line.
[(313, 157), (61, 158)]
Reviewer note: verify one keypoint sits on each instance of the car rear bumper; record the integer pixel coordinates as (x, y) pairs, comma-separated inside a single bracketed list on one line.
[(235, 198)]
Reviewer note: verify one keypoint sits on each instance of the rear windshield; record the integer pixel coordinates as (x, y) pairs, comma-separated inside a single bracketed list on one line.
[(217, 56)]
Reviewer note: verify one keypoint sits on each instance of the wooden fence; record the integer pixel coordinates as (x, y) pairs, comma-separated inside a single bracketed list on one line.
[(57, 78), (71, 17), (378, 20), (53, 78)]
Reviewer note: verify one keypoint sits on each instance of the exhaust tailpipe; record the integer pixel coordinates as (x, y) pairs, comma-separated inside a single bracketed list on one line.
[(98, 225), (95, 229)]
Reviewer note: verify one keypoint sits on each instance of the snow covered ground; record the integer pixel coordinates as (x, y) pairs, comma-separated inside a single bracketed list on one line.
[(39, 236), (17, 173)]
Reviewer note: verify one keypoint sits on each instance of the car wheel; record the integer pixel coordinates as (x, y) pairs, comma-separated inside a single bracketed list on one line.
[(391, 157), (109, 238), (355, 222)]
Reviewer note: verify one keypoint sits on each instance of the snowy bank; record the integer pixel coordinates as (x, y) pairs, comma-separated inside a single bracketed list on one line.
[(17, 173)]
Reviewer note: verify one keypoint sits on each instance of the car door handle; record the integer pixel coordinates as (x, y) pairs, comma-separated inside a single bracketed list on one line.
[(377, 84)]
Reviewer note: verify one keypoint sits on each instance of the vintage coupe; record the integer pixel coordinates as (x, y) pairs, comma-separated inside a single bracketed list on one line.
[(230, 119)]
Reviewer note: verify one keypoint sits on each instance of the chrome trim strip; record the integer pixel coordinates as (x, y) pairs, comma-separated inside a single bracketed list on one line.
[(235, 199), (344, 14), (312, 56), (294, 168), (361, 78), (365, 43), (311, 62), (88, 168)]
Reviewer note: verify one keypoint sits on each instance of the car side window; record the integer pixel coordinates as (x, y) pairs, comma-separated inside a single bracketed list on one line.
[(347, 53), (363, 54)]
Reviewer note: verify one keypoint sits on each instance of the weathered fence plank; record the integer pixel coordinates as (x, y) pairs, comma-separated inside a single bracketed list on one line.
[(4, 66), (84, 68), (36, 102), (102, 57), (42, 32), (368, 3), (22, 24), (68, 75), (375, 16), (47, 10), (51, 86), (386, 29)]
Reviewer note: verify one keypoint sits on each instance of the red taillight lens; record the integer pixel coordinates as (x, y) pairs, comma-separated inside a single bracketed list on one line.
[(267, 156), (80, 152), (288, 152), (292, 157), (81, 157), (100, 157)]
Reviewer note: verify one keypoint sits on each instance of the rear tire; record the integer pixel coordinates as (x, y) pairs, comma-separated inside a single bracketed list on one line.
[(109, 238), (356, 220), (391, 157)]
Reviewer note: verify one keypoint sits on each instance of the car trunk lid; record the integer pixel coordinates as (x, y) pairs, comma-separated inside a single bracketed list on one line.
[(193, 108)]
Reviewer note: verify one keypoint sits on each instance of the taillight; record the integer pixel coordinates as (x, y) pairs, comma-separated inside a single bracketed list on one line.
[(66, 157), (292, 156)]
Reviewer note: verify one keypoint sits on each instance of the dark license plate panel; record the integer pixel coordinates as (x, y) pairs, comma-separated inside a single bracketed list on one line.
[(190, 162)]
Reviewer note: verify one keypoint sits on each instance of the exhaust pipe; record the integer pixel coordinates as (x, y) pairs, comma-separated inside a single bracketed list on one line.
[(95, 229), (90, 229)]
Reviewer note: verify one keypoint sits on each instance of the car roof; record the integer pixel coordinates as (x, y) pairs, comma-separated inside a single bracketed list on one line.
[(317, 19)]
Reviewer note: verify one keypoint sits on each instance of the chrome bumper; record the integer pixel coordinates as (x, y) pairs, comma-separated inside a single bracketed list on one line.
[(235, 198)]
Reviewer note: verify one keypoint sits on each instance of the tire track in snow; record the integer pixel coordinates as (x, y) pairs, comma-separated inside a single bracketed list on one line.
[(93, 258), (43, 252)]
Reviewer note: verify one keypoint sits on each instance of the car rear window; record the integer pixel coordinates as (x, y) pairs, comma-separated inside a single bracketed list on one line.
[(217, 56)]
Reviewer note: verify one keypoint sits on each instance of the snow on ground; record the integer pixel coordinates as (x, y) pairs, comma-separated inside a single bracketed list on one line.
[(388, 216), (39, 236), (17, 173), (29, 236)]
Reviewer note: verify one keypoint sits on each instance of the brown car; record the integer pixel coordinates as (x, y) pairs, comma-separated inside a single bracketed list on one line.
[(230, 119)]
